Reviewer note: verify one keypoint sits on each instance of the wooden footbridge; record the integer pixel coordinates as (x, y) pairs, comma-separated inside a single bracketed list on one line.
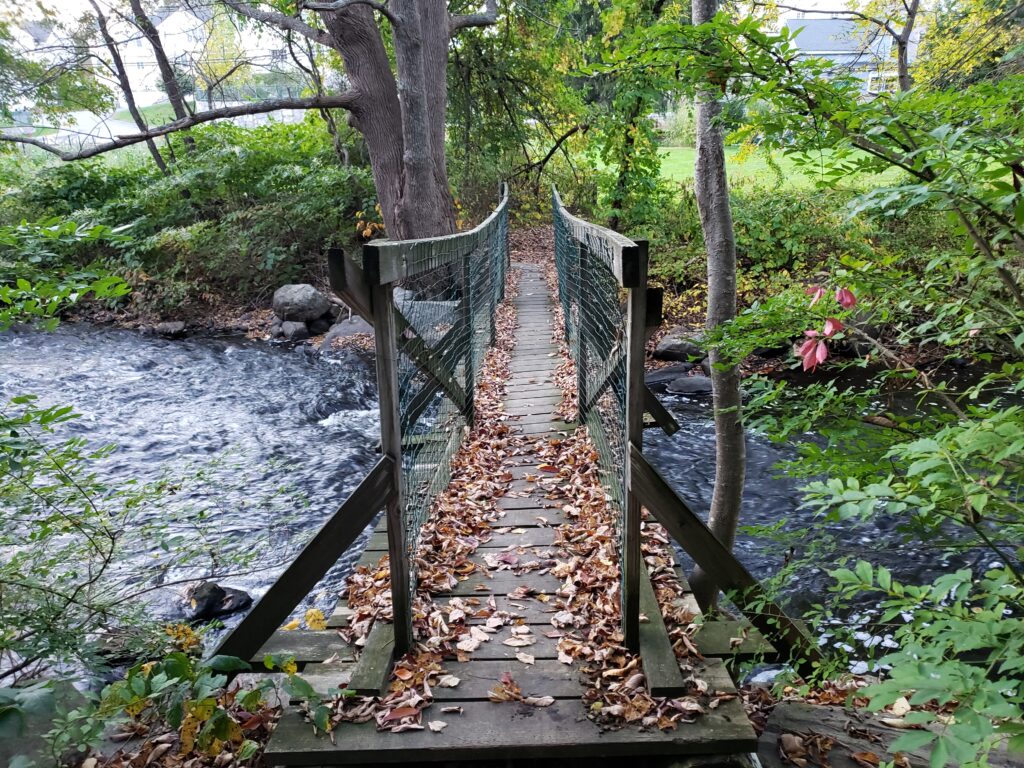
[(495, 610)]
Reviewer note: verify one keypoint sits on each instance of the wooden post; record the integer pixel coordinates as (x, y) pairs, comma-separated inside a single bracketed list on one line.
[(576, 299), (467, 322), (636, 319), (383, 307)]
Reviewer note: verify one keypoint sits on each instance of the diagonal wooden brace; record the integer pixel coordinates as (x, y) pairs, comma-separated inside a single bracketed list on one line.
[(348, 281), (728, 573)]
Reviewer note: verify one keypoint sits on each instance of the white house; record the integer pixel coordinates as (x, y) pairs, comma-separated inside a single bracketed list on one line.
[(861, 49)]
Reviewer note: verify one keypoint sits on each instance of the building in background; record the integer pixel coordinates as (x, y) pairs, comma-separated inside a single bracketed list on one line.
[(851, 46)]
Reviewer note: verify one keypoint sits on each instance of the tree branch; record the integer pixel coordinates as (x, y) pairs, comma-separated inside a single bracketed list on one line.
[(342, 101), (855, 14), (281, 21), (484, 19), (338, 5)]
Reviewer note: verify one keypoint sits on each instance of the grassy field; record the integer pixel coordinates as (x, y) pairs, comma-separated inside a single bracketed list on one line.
[(154, 114), (677, 165)]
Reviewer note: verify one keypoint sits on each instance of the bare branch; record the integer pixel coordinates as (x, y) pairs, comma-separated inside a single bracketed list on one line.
[(484, 19), (280, 20), (340, 101), (883, 24), (338, 5)]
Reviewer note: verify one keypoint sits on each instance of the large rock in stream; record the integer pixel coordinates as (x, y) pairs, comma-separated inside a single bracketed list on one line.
[(680, 343), (300, 302), (208, 601)]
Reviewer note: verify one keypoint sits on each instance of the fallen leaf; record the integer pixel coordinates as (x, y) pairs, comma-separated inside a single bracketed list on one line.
[(436, 726), (519, 641), (525, 658), (539, 701), (448, 681)]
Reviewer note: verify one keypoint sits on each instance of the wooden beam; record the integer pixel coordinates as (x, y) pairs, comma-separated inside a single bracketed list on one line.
[(385, 335), (659, 412), (373, 668), (349, 283), (661, 667), (728, 573), (633, 573), (316, 558)]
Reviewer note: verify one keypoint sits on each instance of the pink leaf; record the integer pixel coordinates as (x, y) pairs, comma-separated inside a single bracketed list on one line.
[(832, 326), (821, 353), (815, 292), (846, 298)]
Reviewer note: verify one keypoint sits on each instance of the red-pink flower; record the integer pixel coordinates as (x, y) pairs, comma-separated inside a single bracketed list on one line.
[(813, 351), (832, 326), (815, 292), (846, 298)]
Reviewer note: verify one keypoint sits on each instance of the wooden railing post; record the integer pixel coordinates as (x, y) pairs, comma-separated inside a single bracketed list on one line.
[(576, 300), (636, 321), (384, 330), (468, 322)]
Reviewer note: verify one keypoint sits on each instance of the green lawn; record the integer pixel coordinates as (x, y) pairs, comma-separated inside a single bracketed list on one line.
[(154, 114), (677, 165)]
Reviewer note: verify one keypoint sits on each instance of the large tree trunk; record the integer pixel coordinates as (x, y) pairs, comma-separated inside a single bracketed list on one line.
[(404, 135), (712, 192)]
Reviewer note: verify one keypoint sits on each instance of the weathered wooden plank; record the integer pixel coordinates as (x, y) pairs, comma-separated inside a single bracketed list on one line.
[(316, 558), (556, 429), (371, 672), (519, 502), (733, 640), (496, 731), (503, 582), (519, 517), (660, 664), (720, 564), (304, 646), (530, 537)]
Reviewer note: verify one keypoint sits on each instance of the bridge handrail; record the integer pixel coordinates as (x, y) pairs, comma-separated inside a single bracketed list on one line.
[(400, 259), (595, 264)]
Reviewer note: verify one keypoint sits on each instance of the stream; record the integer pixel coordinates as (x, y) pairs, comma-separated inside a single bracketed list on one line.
[(310, 423)]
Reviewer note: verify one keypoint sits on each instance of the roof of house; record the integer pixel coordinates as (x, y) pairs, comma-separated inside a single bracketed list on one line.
[(39, 31), (834, 36)]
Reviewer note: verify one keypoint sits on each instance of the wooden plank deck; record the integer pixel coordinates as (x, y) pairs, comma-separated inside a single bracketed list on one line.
[(485, 730)]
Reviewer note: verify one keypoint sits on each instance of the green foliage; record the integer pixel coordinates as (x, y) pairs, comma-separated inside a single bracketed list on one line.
[(243, 210), (37, 282), (959, 662), (68, 536)]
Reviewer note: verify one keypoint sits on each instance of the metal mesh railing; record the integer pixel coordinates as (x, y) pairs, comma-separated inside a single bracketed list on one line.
[(597, 271), (445, 299)]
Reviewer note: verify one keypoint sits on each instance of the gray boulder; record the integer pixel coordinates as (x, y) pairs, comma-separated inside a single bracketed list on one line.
[(300, 301), (171, 330), (345, 328), (680, 344), (208, 601), (662, 376), (691, 385), (294, 330)]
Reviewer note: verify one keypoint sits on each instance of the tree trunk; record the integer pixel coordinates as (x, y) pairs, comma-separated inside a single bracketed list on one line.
[(402, 121), (712, 193), (126, 87), (167, 74), (906, 82)]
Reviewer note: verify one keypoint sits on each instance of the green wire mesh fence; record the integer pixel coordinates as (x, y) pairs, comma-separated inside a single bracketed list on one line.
[(444, 293), (601, 274)]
